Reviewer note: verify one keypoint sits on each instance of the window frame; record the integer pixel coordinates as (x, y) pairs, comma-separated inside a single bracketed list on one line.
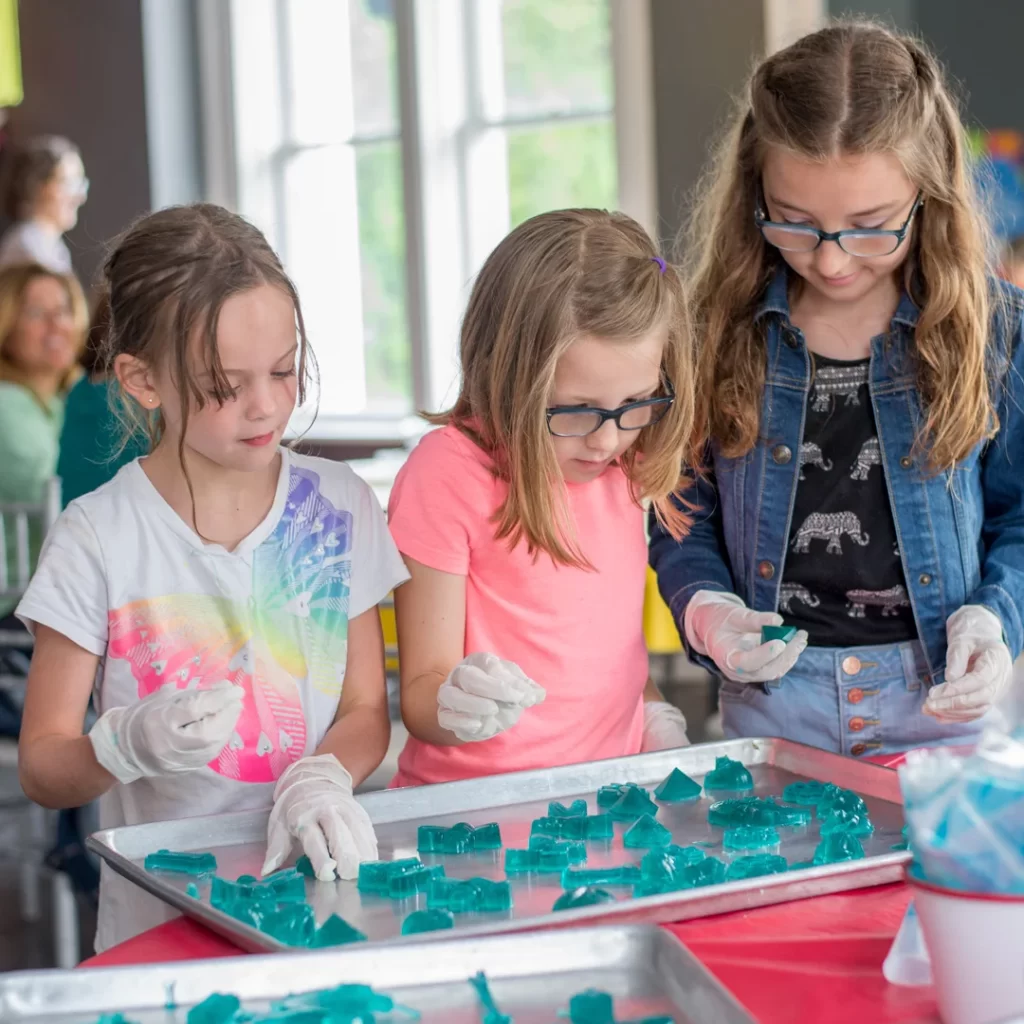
[(452, 153)]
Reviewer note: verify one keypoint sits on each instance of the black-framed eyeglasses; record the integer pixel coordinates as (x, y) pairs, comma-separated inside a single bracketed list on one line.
[(580, 420), (863, 242)]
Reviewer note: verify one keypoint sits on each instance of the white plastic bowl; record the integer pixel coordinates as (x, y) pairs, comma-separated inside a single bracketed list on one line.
[(976, 945)]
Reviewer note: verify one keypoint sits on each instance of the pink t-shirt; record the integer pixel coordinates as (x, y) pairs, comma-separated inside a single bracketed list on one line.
[(577, 632)]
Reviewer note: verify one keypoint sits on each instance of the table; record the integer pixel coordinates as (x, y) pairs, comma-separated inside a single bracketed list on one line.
[(817, 959)]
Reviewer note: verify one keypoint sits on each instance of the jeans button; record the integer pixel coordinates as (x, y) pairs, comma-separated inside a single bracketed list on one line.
[(856, 724), (906, 462), (925, 579), (765, 570), (851, 665), (782, 454), (857, 749), (856, 695)]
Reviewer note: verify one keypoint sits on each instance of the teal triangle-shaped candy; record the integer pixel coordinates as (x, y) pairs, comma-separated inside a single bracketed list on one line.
[(676, 787), (633, 803), (645, 833)]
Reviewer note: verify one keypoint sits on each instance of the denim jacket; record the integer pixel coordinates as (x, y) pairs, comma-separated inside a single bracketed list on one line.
[(961, 532)]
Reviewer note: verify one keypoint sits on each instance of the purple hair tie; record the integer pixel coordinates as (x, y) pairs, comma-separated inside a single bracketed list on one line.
[(660, 262)]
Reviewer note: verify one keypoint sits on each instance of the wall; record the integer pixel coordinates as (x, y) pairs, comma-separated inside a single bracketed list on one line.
[(83, 73)]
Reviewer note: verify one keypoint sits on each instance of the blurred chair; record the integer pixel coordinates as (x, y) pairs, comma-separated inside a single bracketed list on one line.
[(24, 825)]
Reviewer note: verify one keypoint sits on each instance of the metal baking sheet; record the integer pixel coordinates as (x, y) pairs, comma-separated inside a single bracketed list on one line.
[(514, 800), (532, 977)]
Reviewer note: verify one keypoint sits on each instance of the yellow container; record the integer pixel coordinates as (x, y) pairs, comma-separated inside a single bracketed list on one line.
[(659, 627)]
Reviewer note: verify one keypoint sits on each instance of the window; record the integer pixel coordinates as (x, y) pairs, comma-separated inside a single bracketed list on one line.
[(386, 146)]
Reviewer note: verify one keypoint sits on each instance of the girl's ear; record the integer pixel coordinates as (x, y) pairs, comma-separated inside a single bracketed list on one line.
[(136, 378)]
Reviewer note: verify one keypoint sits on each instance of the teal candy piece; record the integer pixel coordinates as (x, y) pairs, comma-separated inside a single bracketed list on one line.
[(577, 809), (408, 882), (459, 838), (904, 844), (645, 832), (806, 794), (838, 847), (632, 804), (474, 895), (420, 921), (375, 875), (587, 896), (744, 810), (755, 866), (113, 1018), (214, 1009), (622, 874), (545, 855), (670, 863), (751, 837), (192, 890), (430, 838), (487, 837), (676, 787), (834, 798), (783, 633), (181, 863), (728, 775), (593, 826), (591, 1007), (305, 867), (286, 885), (612, 793), (856, 823), (706, 871), (492, 1015), (293, 924), (344, 1004), (335, 931), (788, 817), (576, 849), (709, 871)]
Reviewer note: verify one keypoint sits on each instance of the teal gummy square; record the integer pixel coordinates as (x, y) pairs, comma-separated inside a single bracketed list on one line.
[(783, 633)]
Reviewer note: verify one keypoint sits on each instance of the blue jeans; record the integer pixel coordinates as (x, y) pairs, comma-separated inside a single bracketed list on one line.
[(857, 701)]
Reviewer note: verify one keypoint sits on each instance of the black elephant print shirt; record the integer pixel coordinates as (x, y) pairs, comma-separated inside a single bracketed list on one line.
[(843, 581)]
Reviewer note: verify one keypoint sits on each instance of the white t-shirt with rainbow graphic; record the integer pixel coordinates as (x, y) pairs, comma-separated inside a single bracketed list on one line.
[(124, 577)]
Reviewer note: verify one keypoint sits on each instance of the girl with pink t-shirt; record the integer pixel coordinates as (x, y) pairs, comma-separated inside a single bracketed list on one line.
[(521, 519)]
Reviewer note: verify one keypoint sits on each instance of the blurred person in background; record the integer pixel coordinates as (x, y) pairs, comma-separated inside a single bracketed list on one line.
[(42, 330), (91, 450), (44, 184)]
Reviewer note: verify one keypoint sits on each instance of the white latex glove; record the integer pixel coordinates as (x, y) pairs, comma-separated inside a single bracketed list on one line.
[(979, 667), (664, 727), (169, 732), (313, 802), (483, 696), (722, 627)]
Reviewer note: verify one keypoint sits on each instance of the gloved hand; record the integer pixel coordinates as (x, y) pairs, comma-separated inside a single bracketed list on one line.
[(722, 627), (483, 696), (169, 732), (979, 667), (313, 802), (664, 727)]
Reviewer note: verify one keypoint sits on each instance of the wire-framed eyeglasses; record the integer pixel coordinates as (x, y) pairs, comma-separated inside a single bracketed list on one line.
[(580, 420), (863, 242)]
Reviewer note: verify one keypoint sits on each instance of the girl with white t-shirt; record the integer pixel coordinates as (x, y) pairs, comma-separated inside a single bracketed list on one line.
[(221, 592)]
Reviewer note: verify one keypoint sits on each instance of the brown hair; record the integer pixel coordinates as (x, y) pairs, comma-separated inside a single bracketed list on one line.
[(556, 277), (851, 88), (166, 280), (14, 282), (28, 168)]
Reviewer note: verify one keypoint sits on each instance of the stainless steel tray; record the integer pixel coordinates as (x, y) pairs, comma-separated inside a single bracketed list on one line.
[(514, 800), (646, 970)]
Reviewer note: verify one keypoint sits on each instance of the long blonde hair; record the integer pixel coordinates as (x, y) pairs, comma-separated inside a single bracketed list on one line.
[(851, 88), (14, 282), (557, 277)]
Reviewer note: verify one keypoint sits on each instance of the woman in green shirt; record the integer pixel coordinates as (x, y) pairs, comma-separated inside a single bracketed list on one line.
[(92, 443), (42, 330)]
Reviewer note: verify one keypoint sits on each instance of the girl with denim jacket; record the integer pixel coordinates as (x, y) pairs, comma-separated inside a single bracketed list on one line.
[(864, 382)]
